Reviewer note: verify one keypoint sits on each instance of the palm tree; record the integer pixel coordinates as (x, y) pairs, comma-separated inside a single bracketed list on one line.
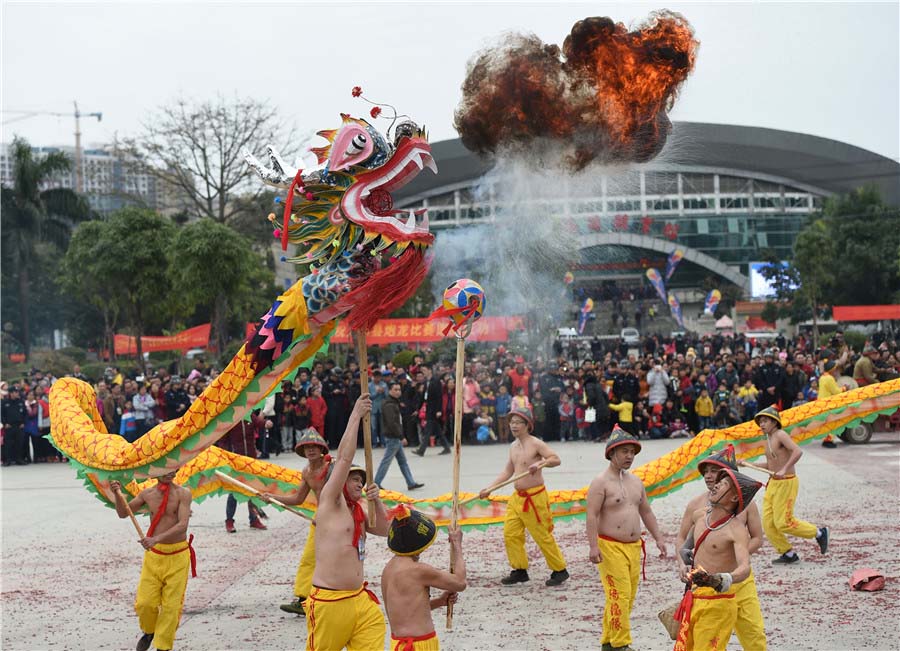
[(31, 215)]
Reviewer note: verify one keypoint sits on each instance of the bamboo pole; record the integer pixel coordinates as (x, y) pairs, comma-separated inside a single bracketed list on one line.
[(134, 521), (501, 484), (362, 355), (457, 447), (747, 464), (253, 491)]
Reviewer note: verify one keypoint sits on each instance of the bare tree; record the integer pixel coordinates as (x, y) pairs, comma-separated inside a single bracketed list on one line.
[(196, 150)]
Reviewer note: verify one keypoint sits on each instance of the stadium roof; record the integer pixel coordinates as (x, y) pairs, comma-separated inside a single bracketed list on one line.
[(833, 166)]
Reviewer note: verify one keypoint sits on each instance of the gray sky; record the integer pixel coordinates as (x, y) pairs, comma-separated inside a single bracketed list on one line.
[(830, 70)]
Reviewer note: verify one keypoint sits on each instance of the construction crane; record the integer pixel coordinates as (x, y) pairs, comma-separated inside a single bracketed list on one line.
[(79, 163)]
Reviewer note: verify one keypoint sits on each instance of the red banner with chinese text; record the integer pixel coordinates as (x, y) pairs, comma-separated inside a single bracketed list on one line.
[(391, 331), (196, 337)]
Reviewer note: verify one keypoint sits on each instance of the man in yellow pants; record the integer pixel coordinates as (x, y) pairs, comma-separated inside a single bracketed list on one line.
[(616, 506), (314, 449), (750, 627), (167, 559), (779, 522), (708, 610), (340, 610), (529, 506)]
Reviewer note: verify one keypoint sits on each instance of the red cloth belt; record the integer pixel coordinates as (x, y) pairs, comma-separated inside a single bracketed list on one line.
[(408, 643), (371, 594), (188, 547), (643, 551), (528, 500), (773, 478)]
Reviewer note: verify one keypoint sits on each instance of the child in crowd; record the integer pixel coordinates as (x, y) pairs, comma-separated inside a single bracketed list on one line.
[(657, 429), (567, 423), (722, 418), (704, 409), (520, 400), (641, 418), (128, 424), (679, 430), (748, 395)]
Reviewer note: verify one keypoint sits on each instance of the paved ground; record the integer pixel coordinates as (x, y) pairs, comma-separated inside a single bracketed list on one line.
[(70, 567)]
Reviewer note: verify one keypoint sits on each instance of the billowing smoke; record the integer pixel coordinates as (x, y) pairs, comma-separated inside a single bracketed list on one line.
[(521, 256), (602, 97)]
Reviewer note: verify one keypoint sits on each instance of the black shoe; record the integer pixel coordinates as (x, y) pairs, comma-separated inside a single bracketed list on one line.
[(144, 642), (822, 539), (414, 487), (445, 451), (829, 444), (516, 576), (418, 452), (556, 578), (295, 607), (786, 559)]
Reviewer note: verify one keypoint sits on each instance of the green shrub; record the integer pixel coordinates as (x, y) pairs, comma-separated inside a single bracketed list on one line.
[(78, 354), (856, 340), (403, 358)]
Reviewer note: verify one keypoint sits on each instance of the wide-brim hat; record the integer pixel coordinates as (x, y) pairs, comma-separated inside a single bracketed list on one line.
[(353, 468), (722, 459), (771, 412), (620, 437), (410, 532), (524, 413), (310, 436), (359, 469), (746, 487)]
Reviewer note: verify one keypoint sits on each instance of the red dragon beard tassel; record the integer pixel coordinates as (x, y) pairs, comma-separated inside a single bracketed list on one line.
[(387, 289)]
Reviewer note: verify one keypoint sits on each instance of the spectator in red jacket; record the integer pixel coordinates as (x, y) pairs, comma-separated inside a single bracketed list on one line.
[(317, 409)]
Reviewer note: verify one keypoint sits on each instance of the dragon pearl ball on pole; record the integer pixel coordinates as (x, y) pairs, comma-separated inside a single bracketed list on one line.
[(463, 304)]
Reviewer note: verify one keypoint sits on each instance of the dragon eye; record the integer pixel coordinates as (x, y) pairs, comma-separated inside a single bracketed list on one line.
[(357, 145), (352, 146)]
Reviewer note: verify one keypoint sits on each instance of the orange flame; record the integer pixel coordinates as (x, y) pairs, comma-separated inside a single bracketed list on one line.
[(604, 96)]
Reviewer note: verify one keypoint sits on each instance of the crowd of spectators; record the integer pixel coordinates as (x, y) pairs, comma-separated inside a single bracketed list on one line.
[(660, 388)]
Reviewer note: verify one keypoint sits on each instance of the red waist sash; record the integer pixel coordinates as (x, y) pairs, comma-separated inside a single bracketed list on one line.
[(408, 643), (529, 503), (189, 547)]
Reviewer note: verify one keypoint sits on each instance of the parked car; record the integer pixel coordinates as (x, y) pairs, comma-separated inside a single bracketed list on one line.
[(630, 335)]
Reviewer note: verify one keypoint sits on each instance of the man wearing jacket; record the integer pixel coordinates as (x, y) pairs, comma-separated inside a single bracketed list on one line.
[(392, 429), (433, 413)]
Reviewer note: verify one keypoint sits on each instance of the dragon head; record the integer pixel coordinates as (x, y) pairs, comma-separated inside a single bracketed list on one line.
[(366, 258)]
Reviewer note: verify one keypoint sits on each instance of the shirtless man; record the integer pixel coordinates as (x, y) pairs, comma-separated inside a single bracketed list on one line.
[(340, 611), (749, 626), (529, 507), (167, 559), (406, 581), (721, 560), (616, 505), (782, 454), (314, 448)]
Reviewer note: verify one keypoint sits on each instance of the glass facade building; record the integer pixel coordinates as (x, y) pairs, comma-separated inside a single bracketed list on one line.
[(724, 194)]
